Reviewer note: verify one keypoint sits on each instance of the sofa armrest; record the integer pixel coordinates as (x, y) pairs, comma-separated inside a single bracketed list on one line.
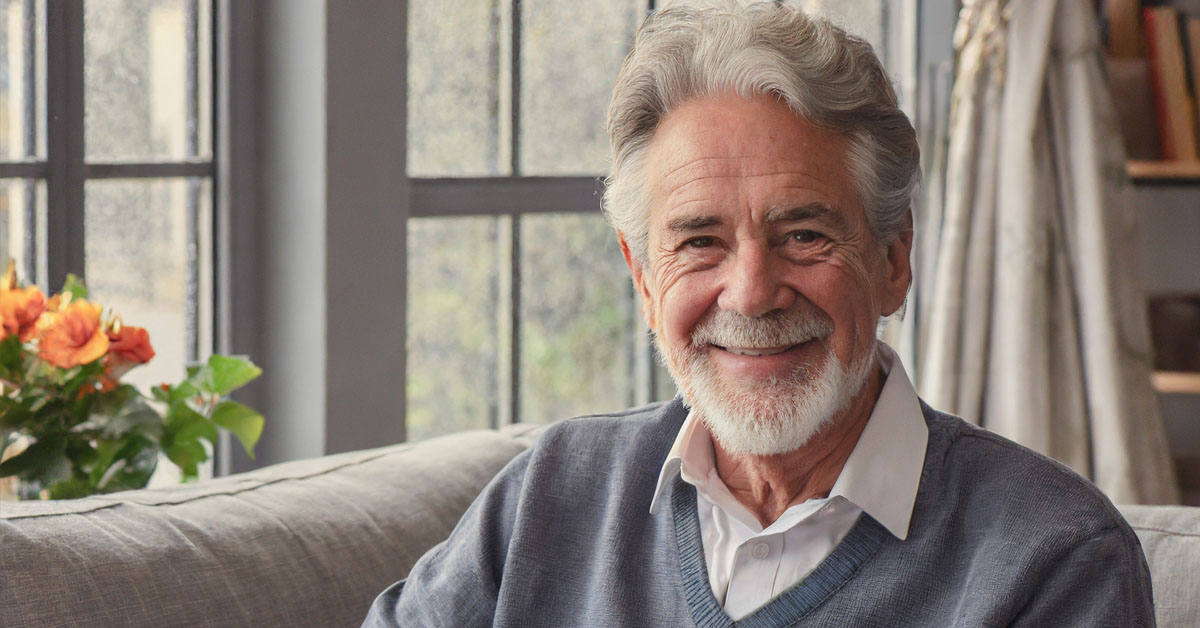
[(306, 543), (1170, 537)]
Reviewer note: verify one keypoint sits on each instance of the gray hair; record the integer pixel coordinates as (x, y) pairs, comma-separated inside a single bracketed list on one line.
[(823, 74)]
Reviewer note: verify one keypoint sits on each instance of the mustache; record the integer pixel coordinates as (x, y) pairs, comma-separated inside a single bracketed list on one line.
[(726, 328)]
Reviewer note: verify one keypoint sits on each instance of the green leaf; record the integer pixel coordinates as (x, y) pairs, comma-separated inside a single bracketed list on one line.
[(188, 456), (180, 415), (223, 374), (44, 460), (106, 453), (185, 424), (122, 412), (182, 391), (74, 286), (72, 488), (81, 451), (10, 354), (12, 413), (132, 466), (242, 420)]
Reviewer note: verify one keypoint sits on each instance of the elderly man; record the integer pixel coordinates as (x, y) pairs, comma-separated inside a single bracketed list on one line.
[(761, 187)]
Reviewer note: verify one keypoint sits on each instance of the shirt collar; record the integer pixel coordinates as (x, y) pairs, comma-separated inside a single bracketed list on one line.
[(882, 474)]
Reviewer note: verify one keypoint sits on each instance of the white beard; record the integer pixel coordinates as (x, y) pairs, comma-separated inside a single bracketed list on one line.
[(773, 415)]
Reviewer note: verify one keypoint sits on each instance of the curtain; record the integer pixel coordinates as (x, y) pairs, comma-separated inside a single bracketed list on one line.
[(1031, 320)]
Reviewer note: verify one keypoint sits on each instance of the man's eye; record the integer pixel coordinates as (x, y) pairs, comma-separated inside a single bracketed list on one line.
[(700, 243), (806, 236)]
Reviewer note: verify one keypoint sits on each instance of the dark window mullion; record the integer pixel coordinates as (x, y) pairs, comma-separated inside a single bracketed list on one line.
[(29, 72), (19, 170), (438, 198), (515, 224), (29, 252), (64, 140), (192, 209), (159, 170)]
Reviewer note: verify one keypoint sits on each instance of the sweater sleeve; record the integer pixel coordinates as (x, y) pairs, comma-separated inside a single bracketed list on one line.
[(457, 582), (1103, 581)]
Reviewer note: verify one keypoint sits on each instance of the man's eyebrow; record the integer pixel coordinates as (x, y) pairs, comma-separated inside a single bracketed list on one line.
[(692, 223), (819, 211)]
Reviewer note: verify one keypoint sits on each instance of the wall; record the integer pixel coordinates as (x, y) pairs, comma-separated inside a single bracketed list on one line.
[(326, 298)]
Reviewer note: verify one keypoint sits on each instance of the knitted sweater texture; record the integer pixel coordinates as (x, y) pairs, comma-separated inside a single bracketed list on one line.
[(563, 537)]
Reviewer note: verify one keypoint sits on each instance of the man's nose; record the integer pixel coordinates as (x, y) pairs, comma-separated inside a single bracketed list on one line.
[(753, 282)]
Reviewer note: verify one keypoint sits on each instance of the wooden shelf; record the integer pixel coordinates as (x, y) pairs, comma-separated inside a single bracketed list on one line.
[(1184, 382), (1181, 171)]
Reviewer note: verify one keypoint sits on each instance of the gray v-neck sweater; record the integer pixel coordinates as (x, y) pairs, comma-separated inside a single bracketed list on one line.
[(563, 537)]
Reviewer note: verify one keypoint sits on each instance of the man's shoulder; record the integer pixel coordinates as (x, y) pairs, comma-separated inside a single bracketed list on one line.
[(626, 434), (1011, 486)]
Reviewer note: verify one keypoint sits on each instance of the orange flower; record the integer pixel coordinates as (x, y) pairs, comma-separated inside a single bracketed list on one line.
[(103, 384), (71, 336), (130, 343), (19, 311), (58, 302), (128, 347)]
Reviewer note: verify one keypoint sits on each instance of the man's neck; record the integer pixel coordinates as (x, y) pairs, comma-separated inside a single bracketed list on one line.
[(767, 485)]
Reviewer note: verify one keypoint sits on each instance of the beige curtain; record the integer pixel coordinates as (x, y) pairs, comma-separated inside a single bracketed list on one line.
[(1034, 323)]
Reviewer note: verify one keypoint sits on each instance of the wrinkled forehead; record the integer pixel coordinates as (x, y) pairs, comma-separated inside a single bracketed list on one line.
[(708, 151)]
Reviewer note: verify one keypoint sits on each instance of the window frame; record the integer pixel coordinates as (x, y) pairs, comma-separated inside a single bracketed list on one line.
[(66, 171)]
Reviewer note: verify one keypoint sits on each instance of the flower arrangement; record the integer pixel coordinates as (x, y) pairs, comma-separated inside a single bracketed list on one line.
[(69, 427)]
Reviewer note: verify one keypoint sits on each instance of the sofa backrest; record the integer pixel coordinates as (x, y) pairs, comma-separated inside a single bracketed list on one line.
[(1170, 537), (308, 543), (311, 543)]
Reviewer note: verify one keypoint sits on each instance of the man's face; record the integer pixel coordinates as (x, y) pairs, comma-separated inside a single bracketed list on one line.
[(762, 282)]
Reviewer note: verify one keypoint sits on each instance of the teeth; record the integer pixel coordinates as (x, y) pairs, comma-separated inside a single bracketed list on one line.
[(757, 352)]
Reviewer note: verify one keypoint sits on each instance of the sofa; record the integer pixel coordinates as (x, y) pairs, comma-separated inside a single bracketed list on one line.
[(310, 543)]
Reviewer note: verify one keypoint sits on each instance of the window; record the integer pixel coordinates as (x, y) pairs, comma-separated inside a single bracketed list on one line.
[(505, 135), (520, 307), (106, 160)]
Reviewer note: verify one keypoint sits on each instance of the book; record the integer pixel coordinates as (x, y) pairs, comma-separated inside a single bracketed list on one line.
[(1193, 37), (1168, 72), (1129, 83), (1124, 31)]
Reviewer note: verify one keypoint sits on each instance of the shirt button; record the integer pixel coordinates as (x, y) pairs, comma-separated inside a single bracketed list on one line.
[(760, 550)]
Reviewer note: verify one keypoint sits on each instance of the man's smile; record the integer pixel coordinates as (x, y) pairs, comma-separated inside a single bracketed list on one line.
[(758, 351)]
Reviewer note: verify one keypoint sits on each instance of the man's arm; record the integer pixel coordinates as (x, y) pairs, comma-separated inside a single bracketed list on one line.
[(1103, 581), (457, 582)]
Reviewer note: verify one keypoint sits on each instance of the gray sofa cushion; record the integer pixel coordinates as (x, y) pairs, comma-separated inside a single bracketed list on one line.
[(1170, 537), (307, 543)]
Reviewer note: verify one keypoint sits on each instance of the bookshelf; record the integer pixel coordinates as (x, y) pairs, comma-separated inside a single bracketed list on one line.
[(1177, 382), (1153, 65), (1146, 170), (1153, 61)]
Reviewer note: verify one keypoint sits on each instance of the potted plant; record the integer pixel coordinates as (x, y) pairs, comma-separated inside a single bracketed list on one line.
[(69, 427)]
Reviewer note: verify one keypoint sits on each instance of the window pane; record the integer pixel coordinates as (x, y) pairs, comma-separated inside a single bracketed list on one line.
[(458, 324), (22, 212), (142, 80), (141, 260), (22, 79), (571, 53), (653, 381), (579, 338), (459, 76), (865, 18)]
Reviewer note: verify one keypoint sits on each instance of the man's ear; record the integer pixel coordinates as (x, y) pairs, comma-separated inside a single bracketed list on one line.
[(639, 280), (898, 263)]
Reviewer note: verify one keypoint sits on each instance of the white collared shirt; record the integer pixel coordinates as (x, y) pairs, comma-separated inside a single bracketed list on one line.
[(749, 565)]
